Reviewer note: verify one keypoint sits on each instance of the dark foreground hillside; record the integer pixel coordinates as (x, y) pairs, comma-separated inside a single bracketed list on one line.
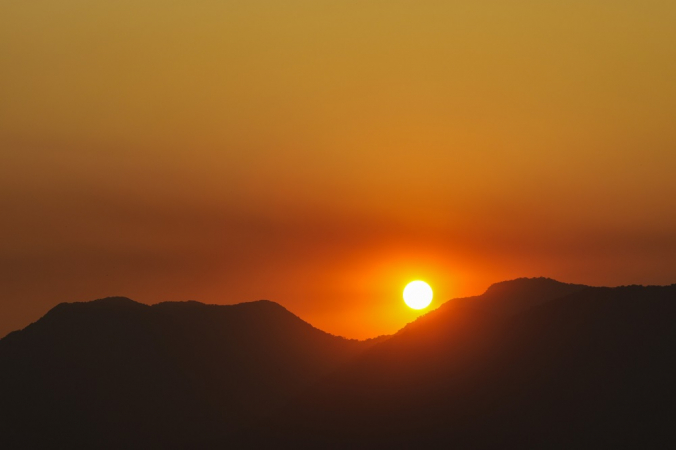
[(532, 363), (114, 373), (595, 369)]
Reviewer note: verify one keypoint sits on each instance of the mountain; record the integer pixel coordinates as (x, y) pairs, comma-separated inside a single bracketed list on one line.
[(515, 296), (591, 369), (114, 373), (529, 364)]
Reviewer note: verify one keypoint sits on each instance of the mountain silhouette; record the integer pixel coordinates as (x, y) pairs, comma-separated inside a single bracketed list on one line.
[(592, 369), (514, 296), (115, 373), (531, 363)]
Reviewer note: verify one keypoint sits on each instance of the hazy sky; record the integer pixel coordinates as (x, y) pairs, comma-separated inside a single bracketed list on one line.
[(322, 154)]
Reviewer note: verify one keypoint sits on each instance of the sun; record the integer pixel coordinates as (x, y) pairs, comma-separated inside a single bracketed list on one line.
[(418, 294)]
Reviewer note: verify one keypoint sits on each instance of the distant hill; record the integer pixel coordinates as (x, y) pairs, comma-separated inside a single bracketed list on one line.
[(501, 300), (515, 296), (592, 369), (118, 374), (529, 364)]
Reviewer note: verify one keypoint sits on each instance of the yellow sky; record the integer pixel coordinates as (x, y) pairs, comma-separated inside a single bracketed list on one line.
[(323, 153)]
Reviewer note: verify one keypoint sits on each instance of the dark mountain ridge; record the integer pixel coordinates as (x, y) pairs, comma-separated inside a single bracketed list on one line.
[(531, 363), (592, 369), (514, 296), (502, 299), (168, 373)]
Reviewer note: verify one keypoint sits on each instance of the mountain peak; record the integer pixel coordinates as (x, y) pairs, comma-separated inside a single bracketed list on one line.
[(115, 301), (525, 284), (117, 361), (106, 303), (513, 296)]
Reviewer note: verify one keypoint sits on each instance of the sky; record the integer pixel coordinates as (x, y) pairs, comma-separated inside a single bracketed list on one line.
[(322, 154)]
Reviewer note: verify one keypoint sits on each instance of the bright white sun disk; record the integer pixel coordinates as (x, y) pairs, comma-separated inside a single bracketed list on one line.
[(418, 294)]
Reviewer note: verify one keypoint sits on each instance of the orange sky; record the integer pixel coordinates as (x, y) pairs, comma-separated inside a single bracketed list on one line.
[(322, 154)]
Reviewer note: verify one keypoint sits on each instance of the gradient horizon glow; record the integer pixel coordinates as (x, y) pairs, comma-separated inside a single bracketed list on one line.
[(321, 154)]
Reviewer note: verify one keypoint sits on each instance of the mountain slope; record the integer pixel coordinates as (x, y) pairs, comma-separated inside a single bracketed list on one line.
[(515, 296), (532, 363), (114, 372), (593, 369)]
